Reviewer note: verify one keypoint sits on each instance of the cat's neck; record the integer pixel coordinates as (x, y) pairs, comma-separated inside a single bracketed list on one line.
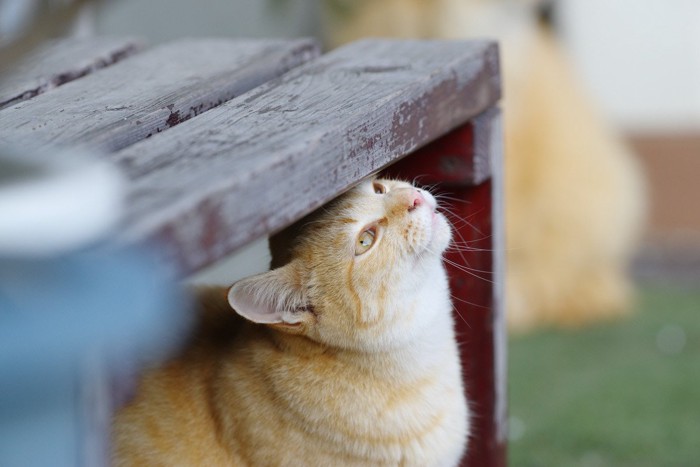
[(411, 357), (422, 330)]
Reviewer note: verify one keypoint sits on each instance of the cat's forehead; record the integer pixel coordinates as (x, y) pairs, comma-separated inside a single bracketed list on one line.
[(366, 198), (369, 188), (361, 205), (387, 182)]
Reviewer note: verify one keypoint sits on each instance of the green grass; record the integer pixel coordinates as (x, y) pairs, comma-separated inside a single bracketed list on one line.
[(620, 394)]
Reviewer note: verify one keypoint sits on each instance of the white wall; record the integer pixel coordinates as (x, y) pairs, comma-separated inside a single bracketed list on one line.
[(640, 59)]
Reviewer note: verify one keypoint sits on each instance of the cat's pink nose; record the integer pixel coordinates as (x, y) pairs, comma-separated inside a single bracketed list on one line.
[(415, 200)]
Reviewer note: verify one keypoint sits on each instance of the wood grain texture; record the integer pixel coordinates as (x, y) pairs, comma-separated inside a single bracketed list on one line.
[(150, 92), (460, 158), (60, 62), (261, 161)]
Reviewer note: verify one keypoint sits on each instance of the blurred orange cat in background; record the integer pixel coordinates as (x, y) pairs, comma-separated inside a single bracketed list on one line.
[(575, 199)]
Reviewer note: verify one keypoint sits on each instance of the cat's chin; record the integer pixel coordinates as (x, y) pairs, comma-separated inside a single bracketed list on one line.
[(441, 233)]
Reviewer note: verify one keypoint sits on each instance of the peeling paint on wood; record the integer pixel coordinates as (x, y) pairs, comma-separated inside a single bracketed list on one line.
[(283, 149), (461, 157), (150, 92)]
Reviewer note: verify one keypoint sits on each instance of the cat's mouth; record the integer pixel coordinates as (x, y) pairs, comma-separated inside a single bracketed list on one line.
[(435, 213)]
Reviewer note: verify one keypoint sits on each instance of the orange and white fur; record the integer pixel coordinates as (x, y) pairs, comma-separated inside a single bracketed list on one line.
[(574, 196), (346, 355)]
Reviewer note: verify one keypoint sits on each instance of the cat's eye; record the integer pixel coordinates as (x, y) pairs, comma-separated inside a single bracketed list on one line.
[(365, 241), (379, 188)]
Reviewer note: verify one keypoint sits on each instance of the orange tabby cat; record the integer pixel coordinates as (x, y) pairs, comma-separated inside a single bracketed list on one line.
[(346, 355)]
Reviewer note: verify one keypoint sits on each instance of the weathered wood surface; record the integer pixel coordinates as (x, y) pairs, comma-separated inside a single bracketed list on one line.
[(261, 161), (460, 158), (60, 62), (150, 92)]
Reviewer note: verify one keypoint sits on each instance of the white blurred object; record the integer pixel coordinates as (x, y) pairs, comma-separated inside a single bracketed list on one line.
[(50, 203), (640, 59)]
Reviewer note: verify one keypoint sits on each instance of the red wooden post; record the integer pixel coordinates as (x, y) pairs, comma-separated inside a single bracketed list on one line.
[(465, 167)]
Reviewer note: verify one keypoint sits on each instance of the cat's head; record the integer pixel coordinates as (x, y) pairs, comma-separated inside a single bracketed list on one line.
[(361, 273)]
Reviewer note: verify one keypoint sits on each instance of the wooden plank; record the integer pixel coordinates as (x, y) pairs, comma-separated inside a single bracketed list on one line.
[(261, 161), (62, 61), (460, 158), (150, 92)]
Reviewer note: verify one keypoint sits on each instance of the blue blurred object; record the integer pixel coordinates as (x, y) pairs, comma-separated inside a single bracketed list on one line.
[(68, 324), (79, 316)]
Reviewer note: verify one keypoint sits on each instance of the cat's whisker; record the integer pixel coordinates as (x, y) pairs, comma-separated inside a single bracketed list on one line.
[(457, 265), (441, 196), (469, 242), (448, 208), (462, 242), (467, 245), (416, 180), (467, 270), (456, 221), (466, 302), (455, 218), (468, 249), (459, 234), (430, 188), (463, 220), (451, 219), (460, 251), (463, 249), (455, 311)]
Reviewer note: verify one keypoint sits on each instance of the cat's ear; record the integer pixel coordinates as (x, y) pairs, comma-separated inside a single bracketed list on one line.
[(274, 297)]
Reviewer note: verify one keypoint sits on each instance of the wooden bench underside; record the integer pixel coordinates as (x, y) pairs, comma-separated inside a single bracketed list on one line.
[(205, 186)]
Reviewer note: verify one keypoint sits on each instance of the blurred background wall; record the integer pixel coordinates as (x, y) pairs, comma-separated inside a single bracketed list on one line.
[(640, 59)]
